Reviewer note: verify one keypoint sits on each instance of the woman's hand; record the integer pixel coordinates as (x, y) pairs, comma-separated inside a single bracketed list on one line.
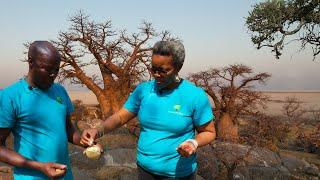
[(187, 148), (88, 136)]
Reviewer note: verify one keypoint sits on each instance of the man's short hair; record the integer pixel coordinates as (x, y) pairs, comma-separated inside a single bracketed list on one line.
[(38, 47)]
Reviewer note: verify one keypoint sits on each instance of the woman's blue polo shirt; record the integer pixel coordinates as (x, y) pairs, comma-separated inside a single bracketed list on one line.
[(167, 119)]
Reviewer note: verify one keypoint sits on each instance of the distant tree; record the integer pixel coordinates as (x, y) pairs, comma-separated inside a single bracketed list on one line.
[(231, 89), (120, 60), (292, 109), (272, 23)]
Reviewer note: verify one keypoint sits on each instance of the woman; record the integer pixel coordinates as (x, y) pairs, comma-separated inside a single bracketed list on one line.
[(169, 110)]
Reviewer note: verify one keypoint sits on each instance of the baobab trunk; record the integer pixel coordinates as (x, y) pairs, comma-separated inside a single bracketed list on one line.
[(110, 101), (226, 128), (104, 104)]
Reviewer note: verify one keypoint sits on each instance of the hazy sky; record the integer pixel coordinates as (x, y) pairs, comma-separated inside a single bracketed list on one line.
[(213, 32)]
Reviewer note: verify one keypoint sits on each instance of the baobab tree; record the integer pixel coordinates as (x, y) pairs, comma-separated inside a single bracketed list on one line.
[(121, 60), (231, 89)]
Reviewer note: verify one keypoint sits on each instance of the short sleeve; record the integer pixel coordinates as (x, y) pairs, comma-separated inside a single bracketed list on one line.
[(202, 110), (67, 101), (7, 110), (134, 100)]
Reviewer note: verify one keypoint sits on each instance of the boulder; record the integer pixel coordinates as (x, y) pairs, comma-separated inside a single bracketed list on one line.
[(208, 164), (222, 160), (299, 167), (120, 157), (113, 164), (116, 141), (260, 172)]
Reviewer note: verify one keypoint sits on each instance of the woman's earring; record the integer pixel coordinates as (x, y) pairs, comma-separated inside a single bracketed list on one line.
[(177, 78)]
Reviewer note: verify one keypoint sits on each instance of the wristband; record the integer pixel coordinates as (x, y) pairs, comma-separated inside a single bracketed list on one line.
[(194, 142)]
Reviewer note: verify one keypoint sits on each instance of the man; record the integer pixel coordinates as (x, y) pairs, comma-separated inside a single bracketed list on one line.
[(37, 112)]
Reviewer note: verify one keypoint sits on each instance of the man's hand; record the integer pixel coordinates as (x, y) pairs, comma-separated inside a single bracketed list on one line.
[(88, 136), (186, 149), (53, 170)]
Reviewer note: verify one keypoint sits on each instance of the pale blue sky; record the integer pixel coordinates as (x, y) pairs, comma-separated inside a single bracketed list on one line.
[(214, 34)]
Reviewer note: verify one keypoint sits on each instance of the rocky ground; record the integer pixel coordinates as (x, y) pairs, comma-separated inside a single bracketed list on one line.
[(219, 160), (222, 160), (117, 161)]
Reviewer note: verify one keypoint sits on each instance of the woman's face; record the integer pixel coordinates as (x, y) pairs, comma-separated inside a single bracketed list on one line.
[(163, 71)]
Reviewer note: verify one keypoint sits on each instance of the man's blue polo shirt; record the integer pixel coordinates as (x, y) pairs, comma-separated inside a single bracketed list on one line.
[(37, 119), (167, 120)]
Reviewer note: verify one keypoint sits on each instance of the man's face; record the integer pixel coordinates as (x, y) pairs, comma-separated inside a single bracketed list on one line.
[(44, 70), (163, 70)]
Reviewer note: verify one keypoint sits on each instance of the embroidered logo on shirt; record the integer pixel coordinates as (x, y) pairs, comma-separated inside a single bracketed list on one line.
[(177, 110), (59, 99), (177, 107)]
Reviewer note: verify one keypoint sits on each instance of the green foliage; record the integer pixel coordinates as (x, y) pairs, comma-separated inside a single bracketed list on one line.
[(270, 22)]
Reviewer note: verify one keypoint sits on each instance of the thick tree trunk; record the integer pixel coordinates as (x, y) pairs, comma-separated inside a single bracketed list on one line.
[(109, 104), (110, 101), (104, 104), (226, 128), (103, 100), (115, 100)]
